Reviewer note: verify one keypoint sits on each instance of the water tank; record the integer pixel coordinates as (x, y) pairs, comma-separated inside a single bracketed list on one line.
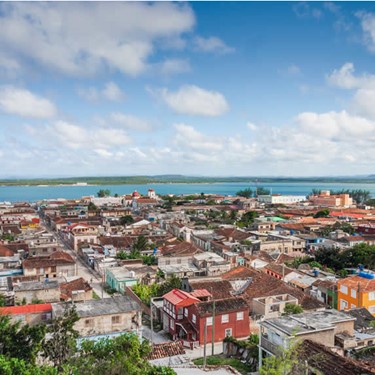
[(367, 275), (316, 272)]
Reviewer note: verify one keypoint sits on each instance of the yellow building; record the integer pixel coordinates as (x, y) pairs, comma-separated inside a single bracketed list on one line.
[(357, 291)]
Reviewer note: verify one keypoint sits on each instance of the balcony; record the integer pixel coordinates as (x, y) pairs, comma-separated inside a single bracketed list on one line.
[(269, 346)]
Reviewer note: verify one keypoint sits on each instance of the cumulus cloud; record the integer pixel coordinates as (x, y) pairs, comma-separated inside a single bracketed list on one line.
[(174, 66), (72, 136), (211, 44), (131, 122), (368, 28), (21, 102), (110, 91), (193, 100), (117, 35)]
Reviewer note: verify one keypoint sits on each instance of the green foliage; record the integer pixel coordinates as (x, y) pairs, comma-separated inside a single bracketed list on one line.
[(146, 292), (246, 193), (286, 363), (16, 366), (126, 220), (337, 260), (322, 213), (292, 309), (36, 301), (20, 341), (103, 193), (60, 343), (2, 300), (141, 244), (149, 260), (247, 219), (92, 207), (262, 191), (371, 202), (8, 237)]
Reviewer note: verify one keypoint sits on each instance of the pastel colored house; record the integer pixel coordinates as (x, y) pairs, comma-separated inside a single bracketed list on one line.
[(357, 291)]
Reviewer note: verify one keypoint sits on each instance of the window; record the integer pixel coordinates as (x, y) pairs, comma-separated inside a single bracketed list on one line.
[(225, 318), (209, 321), (240, 315), (344, 289), (186, 312), (116, 319), (171, 323), (89, 322), (372, 309), (228, 332), (371, 296), (353, 293), (343, 304), (193, 318)]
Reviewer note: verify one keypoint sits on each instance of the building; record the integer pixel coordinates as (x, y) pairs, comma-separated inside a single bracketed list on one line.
[(28, 314), (185, 316), (325, 199), (281, 199), (36, 291), (357, 291), (51, 266), (322, 327), (108, 316)]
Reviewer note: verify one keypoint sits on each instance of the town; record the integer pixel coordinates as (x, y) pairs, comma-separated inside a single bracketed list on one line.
[(247, 282)]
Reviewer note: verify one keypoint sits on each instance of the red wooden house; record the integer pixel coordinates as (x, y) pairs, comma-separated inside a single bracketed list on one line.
[(185, 315)]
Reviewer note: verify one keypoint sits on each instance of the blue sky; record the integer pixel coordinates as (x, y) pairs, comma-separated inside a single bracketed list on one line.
[(202, 88)]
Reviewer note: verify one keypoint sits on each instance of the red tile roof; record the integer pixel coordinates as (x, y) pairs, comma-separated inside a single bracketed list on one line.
[(365, 285), (26, 309), (167, 349), (201, 293), (180, 298)]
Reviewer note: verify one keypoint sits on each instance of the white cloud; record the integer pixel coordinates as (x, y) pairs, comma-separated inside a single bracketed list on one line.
[(21, 102), (251, 126), (368, 28), (174, 66), (76, 137), (110, 91), (211, 44), (306, 10), (115, 35), (193, 100), (130, 121)]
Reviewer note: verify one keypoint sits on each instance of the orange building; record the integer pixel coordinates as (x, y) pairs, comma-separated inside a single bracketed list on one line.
[(357, 291), (325, 199)]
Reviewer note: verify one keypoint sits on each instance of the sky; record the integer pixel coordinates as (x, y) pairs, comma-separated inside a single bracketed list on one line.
[(200, 88)]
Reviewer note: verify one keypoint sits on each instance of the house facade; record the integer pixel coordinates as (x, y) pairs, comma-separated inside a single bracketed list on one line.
[(185, 317)]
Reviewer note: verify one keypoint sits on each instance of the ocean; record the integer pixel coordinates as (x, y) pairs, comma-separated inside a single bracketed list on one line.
[(35, 193)]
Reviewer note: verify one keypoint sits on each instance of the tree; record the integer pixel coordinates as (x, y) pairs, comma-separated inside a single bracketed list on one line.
[(91, 207), (2, 300), (371, 202), (124, 354), (290, 309), (126, 220), (103, 193), (285, 363), (12, 366), (60, 343), (247, 219), (262, 191), (246, 193), (322, 213), (140, 244), (20, 341)]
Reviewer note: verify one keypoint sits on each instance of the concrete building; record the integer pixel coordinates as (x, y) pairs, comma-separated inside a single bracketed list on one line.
[(281, 199), (107, 316), (325, 199), (33, 291), (322, 327)]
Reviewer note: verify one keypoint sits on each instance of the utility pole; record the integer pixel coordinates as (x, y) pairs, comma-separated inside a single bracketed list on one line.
[(213, 324), (152, 326), (205, 342)]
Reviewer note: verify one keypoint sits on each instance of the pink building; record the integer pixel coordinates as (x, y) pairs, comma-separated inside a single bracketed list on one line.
[(325, 199)]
